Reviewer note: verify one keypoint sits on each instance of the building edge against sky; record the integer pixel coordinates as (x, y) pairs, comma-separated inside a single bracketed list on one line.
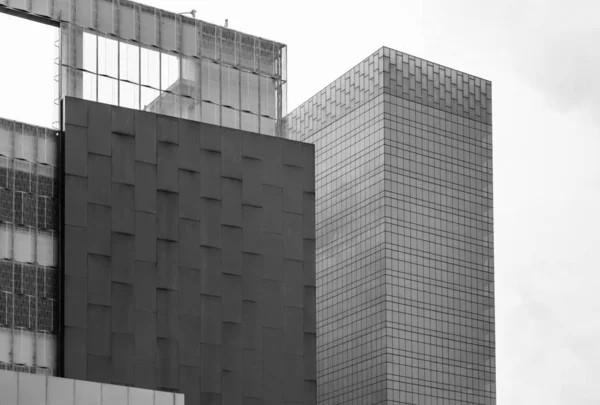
[(405, 299), (132, 55)]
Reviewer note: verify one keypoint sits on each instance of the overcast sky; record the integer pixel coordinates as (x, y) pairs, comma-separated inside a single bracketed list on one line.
[(543, 59)]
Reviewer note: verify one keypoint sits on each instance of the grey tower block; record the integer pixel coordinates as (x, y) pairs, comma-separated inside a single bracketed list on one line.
[(195, 273), (405, 233)]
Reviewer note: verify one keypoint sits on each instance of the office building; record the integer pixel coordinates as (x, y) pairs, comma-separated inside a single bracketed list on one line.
[(157, 244), (405, 299)]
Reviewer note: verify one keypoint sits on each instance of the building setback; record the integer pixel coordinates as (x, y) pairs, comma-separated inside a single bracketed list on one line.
[(405, 303)]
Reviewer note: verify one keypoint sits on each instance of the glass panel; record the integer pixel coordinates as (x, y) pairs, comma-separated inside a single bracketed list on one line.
[(108, 90), (247, 52), (249, 122), (230, 117), (129, 62), (228, 51), (60, 391), (84, 13), (114, 395), (267, 96), (250, 92), (148, 26), (4, 338), (210, 81), (23, 347), (267, 126), (168, 32), (24, 239), (210, 113), (190, 71), (46, 248), (189, 39), (127, 22), (150, 97), (90, 52), (129, 96), (108, 54), (230, 79), (46, 350), (190, 109), (106, 17), (6, 241), (6, 138), (24, 143), (169, 68), (150, 61), (90, 86)]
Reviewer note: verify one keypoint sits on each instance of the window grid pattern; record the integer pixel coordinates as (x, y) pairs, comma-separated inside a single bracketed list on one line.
[(193, 66), (28, 268), (412, 256)]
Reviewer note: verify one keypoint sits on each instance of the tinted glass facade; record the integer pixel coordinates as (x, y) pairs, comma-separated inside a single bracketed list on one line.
[(28, 247), (404, 233), (189, 254)]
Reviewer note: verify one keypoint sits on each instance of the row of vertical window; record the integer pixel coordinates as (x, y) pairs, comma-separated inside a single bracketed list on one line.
[(27, 348), (28, 245)]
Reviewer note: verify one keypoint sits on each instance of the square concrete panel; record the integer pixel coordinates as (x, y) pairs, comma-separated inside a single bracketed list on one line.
[(211, 268), (168, 364), (252, 182), (145, 335), (189, 145), (292, 236), (123, 208), (189, 342), (168, 215), (167, 311), (210, 378), (122, 257), (231, 248), (293, 330), (210, 137), (99, 279), (231, 153), (76, 298), (293, 282), (308, 167), (168, 129), (252, 221), (210, 222), (123, 359), (99, 179), (76, 112), (251, 146), (310, 310), (232, 346), (168, 167), (75, 359), (210, 174), (99, 131), (252, 277), (145, 236), (292, 191), (272, 304), (308, 215), (252, 373), (232, 387), (99, 329), (190, 282), (123, 159), (99, 368), (271, 155), (189, 243), (168, 264), (273, 365), (211, 320), (145, 187), (122, 303), (76, 197), (273, 256), (145, 374), (123, 121), (310, 358), (144, 286), (75, 248), (189, 384), (145, 137), (309, 262), (252, 322), (272, 208), (76, 150), (232, 298), (231, 202), (292, 154), (189, 195)]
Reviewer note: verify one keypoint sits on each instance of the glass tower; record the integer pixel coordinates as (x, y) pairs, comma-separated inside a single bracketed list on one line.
[(405, 293)]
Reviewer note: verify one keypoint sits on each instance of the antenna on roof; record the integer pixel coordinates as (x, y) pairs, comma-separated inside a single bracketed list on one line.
[(193, 13), (226, 23)]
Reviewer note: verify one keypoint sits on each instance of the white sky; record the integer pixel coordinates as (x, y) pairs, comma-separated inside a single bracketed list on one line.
[(544, 61)]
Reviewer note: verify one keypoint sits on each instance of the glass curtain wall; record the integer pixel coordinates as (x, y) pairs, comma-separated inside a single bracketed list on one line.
[(28, 246)]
